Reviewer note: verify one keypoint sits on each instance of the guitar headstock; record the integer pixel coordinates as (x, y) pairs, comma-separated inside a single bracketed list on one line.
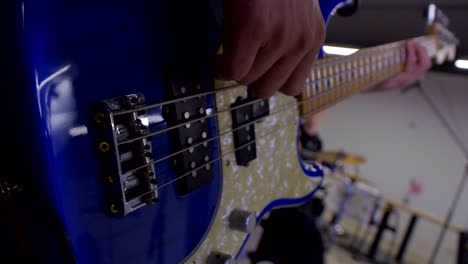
[(446, 41)]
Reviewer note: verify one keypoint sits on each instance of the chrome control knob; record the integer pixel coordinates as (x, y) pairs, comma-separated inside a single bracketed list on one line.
[(243, 221), (220, 258)]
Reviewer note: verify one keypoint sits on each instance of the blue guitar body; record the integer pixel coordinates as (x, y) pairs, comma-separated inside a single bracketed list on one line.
[(77, 54)]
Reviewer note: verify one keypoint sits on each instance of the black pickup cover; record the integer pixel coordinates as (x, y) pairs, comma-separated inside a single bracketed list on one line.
[(188, 135), (243, 118)]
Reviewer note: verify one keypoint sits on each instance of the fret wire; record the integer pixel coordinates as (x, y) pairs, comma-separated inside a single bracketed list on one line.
[(329, 81), (314, 89), (320, 90), (388, 57), (306, 106), (338, 79), (364, 53), (343, 76), (326, 84), (336, 100), (319, 86), (359, 73), (386, 52)]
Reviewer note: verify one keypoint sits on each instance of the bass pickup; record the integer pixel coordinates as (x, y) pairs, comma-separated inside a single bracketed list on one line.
[(191, 140), (245, 113)]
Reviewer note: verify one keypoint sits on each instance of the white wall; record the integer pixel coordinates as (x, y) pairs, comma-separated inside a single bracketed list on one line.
[(401, 138)]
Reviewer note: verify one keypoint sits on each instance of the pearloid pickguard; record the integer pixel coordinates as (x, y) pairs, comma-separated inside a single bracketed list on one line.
[(276, 173)]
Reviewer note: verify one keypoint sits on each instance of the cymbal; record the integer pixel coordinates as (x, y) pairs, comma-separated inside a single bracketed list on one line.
[(357, 178), (333, 157), (352, 177)]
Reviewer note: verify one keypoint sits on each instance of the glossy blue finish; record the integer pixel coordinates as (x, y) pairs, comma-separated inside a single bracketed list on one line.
[(86, 51), (81, 52), (328, 7)]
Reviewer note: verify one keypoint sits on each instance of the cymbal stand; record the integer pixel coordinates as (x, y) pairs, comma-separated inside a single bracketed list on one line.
[(334, 223), (463, 180), (449, 216)]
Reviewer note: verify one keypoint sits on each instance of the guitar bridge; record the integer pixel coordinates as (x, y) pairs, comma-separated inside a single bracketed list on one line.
[(127, 154)]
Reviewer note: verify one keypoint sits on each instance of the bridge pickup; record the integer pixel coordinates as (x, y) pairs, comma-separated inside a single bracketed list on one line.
[(127, 154), (244, 115), (192, 166)]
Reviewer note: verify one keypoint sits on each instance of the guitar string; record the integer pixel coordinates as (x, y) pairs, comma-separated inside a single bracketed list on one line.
[(249, 123), (221, 134), (249, 143), (320, 64), (318, 81), (224, 133), (263, 136), (271, 131), (329, 77)]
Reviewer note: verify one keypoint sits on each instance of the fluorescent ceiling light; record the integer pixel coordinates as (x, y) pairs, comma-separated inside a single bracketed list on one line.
[(462, 64), (333, 50)]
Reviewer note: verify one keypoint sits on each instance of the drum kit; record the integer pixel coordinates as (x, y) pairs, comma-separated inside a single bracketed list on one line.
[(352, 195)]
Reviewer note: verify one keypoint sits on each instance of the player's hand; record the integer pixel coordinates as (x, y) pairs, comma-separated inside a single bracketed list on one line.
[(311, 123), (417, 63), (270, 45)]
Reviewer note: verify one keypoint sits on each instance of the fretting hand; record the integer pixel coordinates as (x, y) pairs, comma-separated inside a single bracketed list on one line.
[(417, 63)]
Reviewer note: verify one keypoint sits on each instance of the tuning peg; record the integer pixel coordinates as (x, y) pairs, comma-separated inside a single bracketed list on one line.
[(435, 15)]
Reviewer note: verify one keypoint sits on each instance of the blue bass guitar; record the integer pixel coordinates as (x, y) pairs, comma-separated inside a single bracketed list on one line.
[(126, 151)]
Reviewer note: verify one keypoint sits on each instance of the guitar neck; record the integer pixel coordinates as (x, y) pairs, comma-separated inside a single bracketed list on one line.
[(336, 78)]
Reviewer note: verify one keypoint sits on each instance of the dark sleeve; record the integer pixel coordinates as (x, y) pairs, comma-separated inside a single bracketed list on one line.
[(312, 143)]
